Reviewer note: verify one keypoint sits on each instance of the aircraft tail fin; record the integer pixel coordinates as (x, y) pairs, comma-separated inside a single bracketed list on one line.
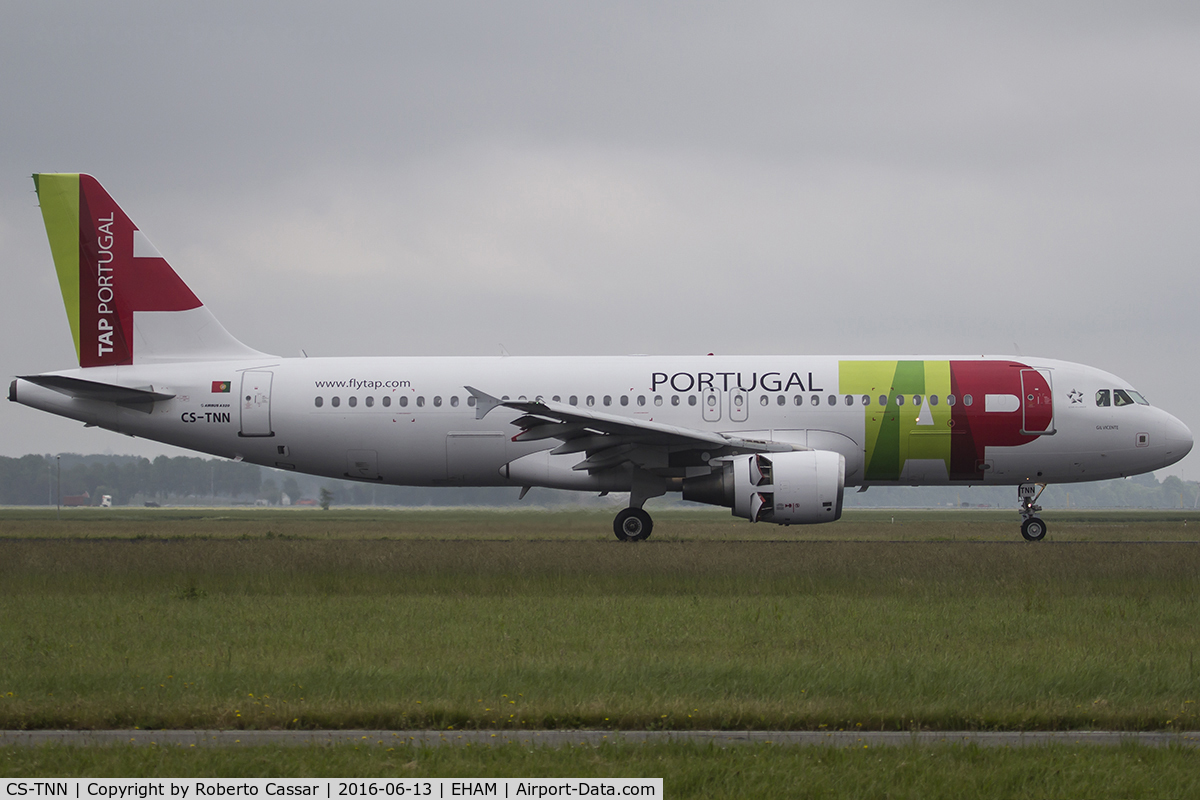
[(124, 302)]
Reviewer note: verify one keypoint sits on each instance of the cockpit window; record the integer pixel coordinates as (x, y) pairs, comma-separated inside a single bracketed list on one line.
[(1102, 399), (1137, 398), (1121, 398)]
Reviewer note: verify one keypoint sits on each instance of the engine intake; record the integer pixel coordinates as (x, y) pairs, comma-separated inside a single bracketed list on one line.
[(797, 488)]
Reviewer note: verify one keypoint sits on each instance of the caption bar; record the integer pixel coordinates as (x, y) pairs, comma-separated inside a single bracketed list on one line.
[(200, 788)]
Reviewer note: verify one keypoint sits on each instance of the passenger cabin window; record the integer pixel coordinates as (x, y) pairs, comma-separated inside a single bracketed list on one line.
[(591, 401), (951, 399), (883, 400), (370, 401), (849, 400), (608, 399), (1121, 398), (933, 401), (421, 401), (454, 401), (691, 399), (816, 401), (471, 401), (403, 400), (624, 400), (387, 400), (658, 401), (1102, 398), (352, 402), (674, 399), (866, 399), (798, 400), (574, 400), (899, 399), (437, 400), (764, 400), (781, 400), (335, 401), (320, 401), (967, 400)]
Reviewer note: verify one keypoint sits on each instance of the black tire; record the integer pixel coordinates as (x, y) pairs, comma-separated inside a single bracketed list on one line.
[(633, 525), (1033, 529)]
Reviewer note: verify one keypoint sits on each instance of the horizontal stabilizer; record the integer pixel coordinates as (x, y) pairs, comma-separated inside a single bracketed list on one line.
[(140, 398)]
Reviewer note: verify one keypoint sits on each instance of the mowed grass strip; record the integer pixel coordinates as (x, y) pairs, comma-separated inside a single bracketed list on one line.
[(419, 632), (688, 771), (534, 524)]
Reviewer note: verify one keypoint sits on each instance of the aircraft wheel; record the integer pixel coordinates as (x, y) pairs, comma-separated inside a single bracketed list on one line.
[(633, 525), (1033, 529)]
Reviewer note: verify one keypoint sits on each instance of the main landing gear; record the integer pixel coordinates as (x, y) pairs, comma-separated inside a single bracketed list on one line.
[(1032, 526), (633, 525)]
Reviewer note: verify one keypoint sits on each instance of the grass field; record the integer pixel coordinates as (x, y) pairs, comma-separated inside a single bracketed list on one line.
[(261, 619), (688, 771), (459, 524)]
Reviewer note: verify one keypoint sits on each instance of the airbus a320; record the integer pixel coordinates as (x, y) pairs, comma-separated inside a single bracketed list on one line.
[(774, 438)]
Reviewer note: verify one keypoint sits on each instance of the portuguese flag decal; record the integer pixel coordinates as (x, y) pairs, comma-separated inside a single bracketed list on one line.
[(221, 386)]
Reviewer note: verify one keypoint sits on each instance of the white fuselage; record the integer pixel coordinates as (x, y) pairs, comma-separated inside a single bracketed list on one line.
[(411, 421)]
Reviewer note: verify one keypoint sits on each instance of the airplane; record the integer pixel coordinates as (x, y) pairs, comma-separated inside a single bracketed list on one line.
[(774, 438)]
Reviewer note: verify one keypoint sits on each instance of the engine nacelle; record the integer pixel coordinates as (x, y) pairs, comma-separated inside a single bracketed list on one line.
[(796, 488)]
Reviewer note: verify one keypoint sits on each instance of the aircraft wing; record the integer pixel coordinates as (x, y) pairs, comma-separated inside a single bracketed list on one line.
[(609, 440)]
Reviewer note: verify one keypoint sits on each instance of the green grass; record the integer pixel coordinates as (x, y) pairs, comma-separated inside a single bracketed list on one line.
[(536, 524), (687, 770), (257, 620)]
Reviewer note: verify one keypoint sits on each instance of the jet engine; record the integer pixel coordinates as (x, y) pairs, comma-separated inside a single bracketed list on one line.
[(796, 488)]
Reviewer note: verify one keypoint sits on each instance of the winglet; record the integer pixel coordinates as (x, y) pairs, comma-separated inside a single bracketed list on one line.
[(484, 402)]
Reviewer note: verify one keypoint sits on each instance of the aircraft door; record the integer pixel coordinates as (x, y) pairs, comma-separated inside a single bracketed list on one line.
[(1037, 407), (739, 402), (256, 403), (710, 399)]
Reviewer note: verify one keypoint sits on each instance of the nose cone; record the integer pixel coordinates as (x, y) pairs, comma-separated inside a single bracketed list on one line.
[(1177, 439)]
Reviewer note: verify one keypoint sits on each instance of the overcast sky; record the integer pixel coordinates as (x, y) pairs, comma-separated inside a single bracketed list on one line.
[(596, 178)]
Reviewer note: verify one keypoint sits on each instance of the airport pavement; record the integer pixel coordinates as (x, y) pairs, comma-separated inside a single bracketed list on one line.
[(215, 738)]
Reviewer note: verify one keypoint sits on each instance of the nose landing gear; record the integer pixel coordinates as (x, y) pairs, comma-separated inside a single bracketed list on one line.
[(1032, 526)]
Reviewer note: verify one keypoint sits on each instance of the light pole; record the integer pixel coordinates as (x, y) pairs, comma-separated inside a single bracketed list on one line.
[(58, 504)]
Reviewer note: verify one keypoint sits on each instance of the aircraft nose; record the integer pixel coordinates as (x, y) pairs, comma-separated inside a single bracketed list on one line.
[(1178, 438)]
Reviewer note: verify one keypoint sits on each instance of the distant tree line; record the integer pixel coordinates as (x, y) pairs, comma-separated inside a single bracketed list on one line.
[(183, 480), (34, 479), (1140, 491)]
